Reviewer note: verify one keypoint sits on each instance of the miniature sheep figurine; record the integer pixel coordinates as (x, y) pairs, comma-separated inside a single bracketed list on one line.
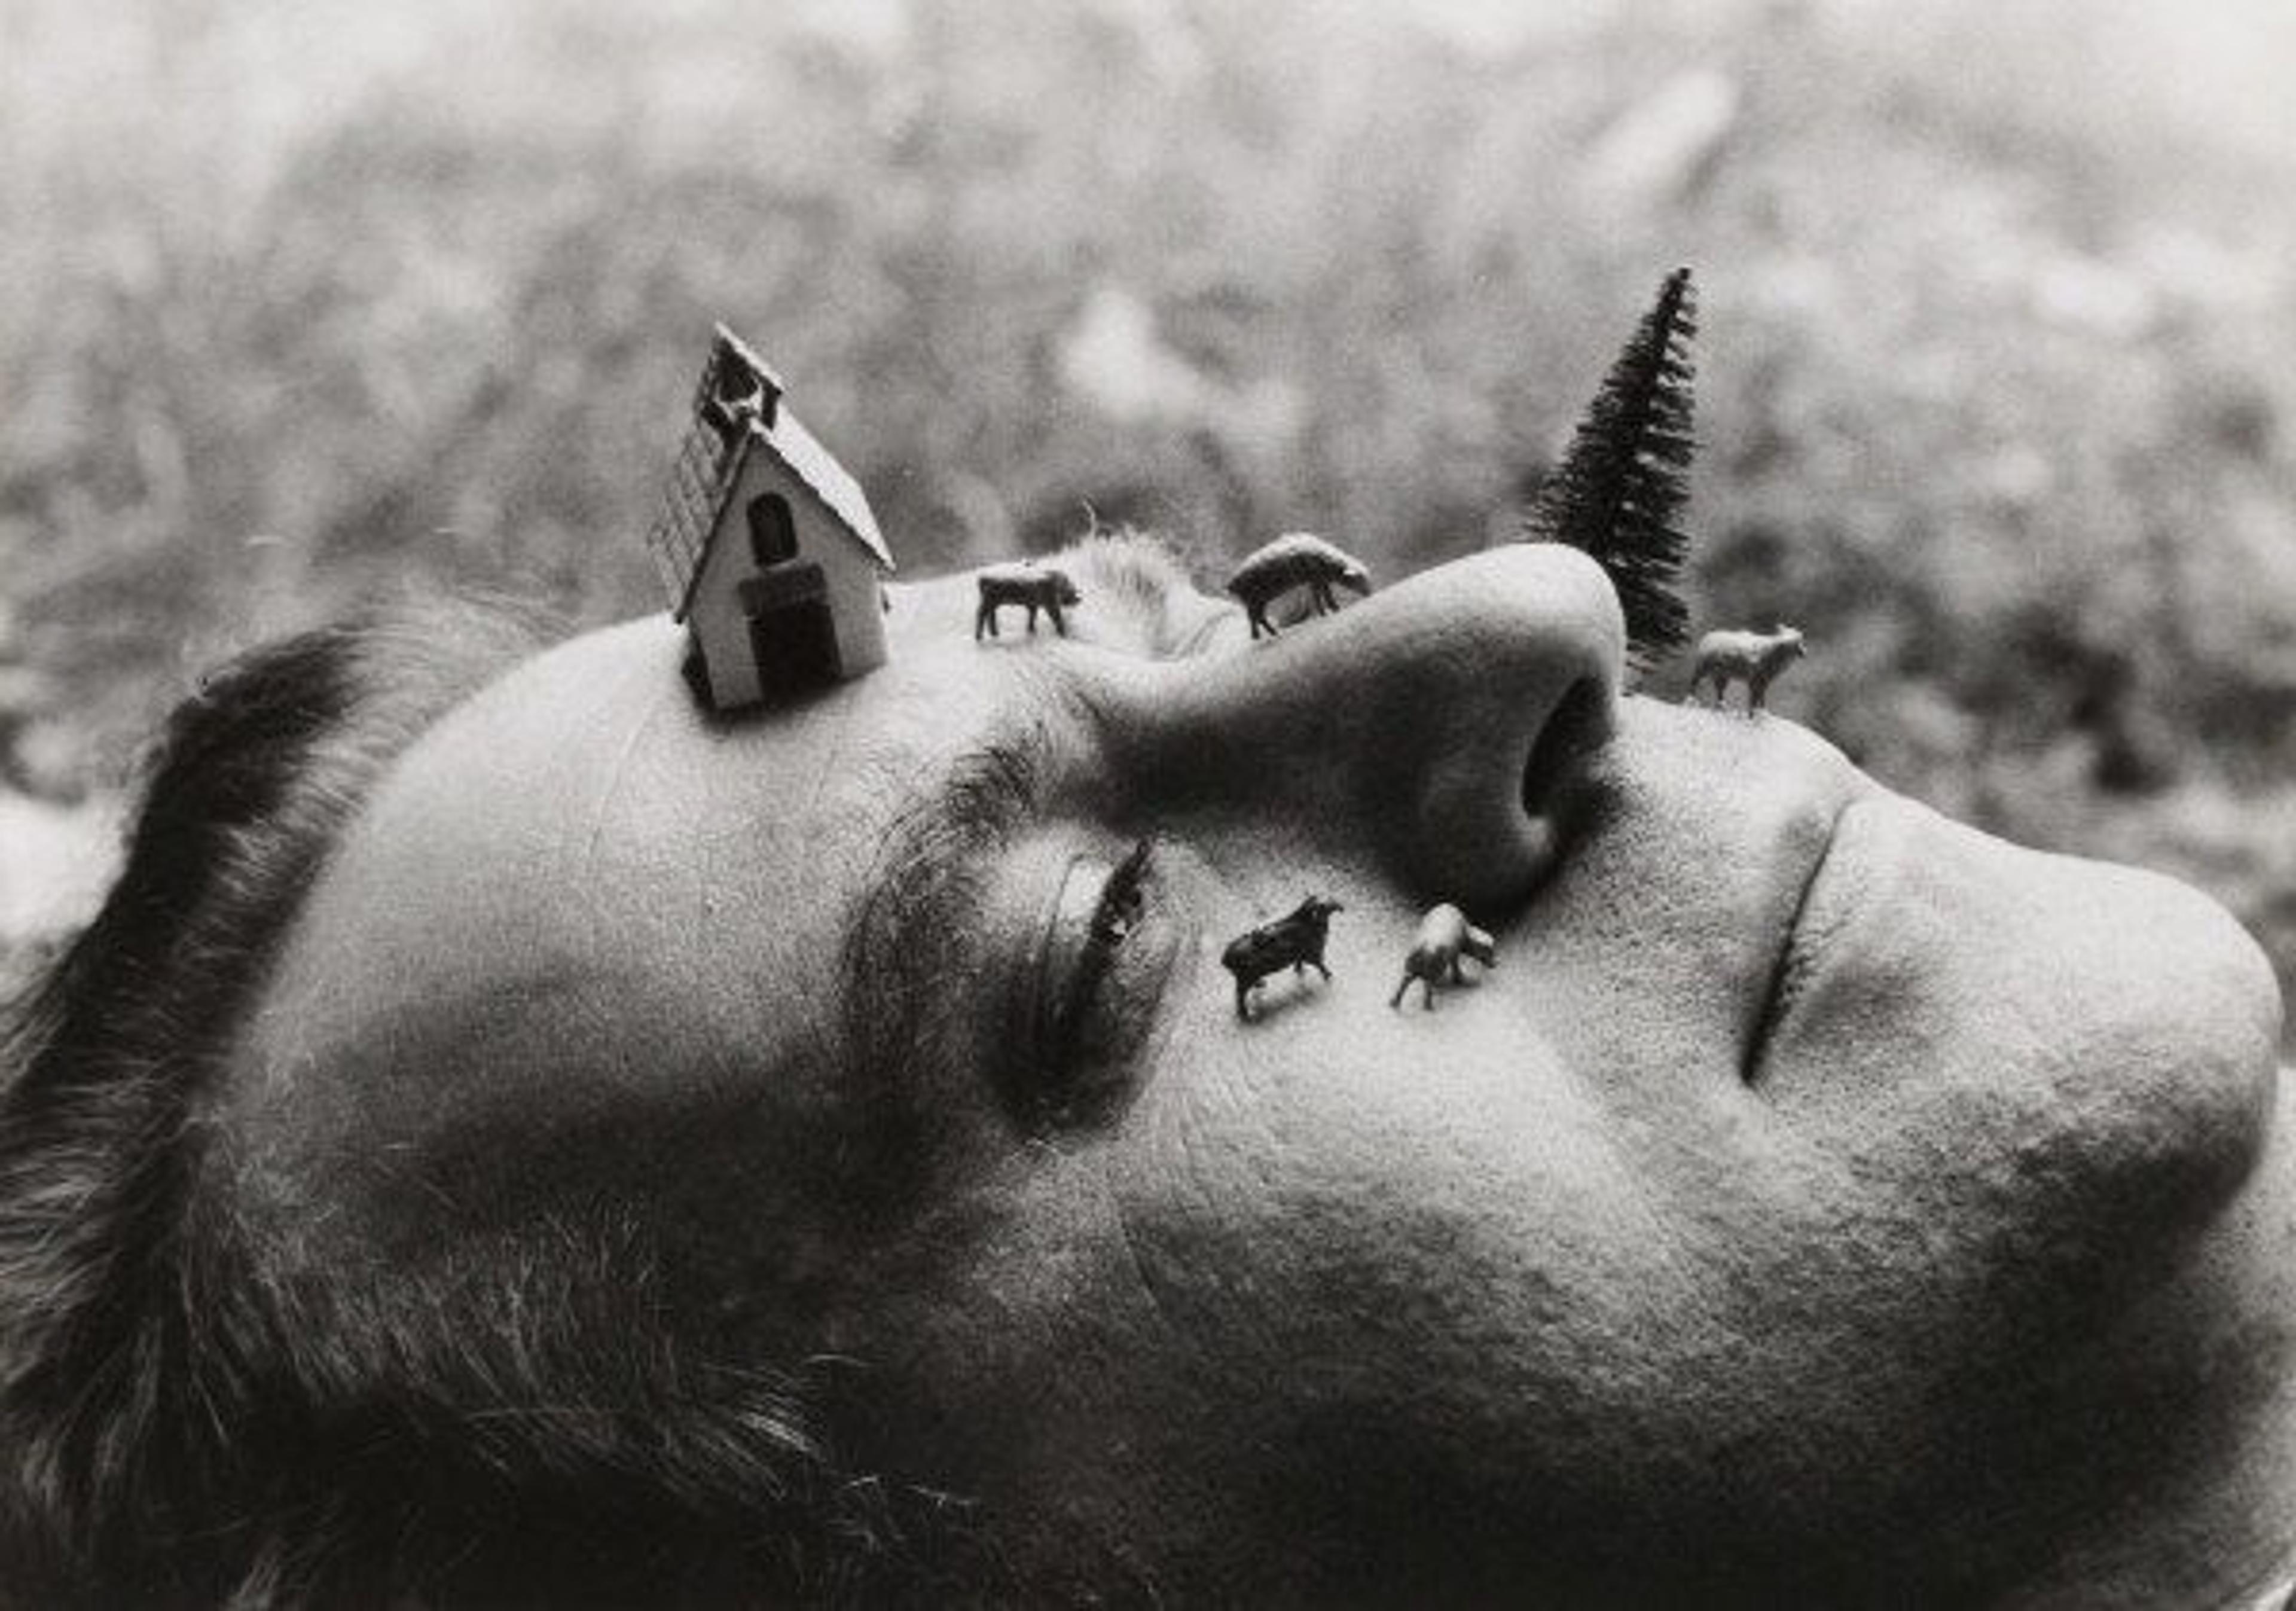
[(1296, 559), (1445, 936), (1031, 586), (1296, 939), (1753, 657)]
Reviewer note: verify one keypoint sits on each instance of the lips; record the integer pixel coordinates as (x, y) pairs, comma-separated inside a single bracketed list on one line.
[(1798, 951)]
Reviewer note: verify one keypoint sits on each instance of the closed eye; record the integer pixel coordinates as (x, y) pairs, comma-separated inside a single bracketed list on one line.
[(1100, 979)]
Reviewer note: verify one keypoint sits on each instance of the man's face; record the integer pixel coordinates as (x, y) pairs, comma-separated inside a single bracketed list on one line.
[(1816, 1196)]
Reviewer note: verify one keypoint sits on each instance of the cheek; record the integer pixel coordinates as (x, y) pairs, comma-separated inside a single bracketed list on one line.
[(1390, 1286), (1445, 1256)]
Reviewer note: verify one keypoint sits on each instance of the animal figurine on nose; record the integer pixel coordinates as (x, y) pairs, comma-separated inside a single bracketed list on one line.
[(1445, 936), (1752, 658), (1295, 941), (1032, 586), (1296, 559)]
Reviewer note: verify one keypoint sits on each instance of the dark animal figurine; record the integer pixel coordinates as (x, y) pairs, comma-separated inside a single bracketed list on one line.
[(1296, 559), (1295, 942), (1445, 935), (1032, 586), (1753, 657)]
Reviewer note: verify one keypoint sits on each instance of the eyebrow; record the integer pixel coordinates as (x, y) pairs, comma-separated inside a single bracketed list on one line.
[(1145, 577), (907, 939)]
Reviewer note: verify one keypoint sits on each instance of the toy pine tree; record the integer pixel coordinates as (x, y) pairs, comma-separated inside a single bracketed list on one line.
[(1616, 494)]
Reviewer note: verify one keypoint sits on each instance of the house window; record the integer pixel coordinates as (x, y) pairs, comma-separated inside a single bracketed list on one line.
[(773, 533)]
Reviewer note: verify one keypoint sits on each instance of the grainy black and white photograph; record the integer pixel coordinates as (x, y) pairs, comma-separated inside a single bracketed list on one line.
[(1147, 803)]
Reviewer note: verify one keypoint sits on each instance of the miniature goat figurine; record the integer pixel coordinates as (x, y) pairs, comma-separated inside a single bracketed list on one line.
[(1753, 657), (1296, 559), (1296, 941), (1445, 936), (1032, 586)]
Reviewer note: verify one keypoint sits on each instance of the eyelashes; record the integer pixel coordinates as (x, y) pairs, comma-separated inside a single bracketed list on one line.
[(1122, 898), (1098, 981)]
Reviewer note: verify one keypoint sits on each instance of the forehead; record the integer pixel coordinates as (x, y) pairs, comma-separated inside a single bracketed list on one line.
[(578, 897)]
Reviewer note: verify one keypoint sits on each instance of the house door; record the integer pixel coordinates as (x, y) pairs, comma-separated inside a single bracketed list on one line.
[(792, 635)]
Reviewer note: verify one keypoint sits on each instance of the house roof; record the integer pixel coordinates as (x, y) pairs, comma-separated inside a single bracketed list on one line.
[(818, 468), (709, 467)]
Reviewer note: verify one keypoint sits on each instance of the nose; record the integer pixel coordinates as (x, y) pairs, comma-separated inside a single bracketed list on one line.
[(1433, 721)]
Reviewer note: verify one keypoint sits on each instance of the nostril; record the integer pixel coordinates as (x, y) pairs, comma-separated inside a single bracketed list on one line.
[(1576, 726)]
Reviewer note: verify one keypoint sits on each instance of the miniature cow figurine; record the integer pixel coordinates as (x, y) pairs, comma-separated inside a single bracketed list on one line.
[(1296, 941), (1445, 936), (1753, 657), (1296, 559), (1032, 585)]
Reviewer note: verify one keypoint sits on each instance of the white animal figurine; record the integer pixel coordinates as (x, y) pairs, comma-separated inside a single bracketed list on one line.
[(1445, 936), (1753, 657), (1296, 559)]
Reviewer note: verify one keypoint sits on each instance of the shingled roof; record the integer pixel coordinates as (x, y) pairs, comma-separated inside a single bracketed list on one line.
[(718, 445)]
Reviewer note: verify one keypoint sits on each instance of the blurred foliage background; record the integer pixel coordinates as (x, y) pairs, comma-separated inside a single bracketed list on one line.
[(300, 298)]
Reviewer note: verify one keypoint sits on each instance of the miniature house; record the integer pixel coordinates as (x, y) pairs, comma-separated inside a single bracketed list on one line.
[(767, 546)]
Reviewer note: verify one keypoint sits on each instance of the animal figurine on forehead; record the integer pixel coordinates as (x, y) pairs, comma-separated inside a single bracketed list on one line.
[(1752, 658), (1295, 940), (1445, 936), (1296, 559), (1032, 586)]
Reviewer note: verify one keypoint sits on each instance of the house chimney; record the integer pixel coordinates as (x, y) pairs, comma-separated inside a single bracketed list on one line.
[(744, 386)]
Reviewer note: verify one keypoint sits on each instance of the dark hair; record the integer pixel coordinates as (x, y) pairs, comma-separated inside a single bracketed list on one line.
[(184, 1422)]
